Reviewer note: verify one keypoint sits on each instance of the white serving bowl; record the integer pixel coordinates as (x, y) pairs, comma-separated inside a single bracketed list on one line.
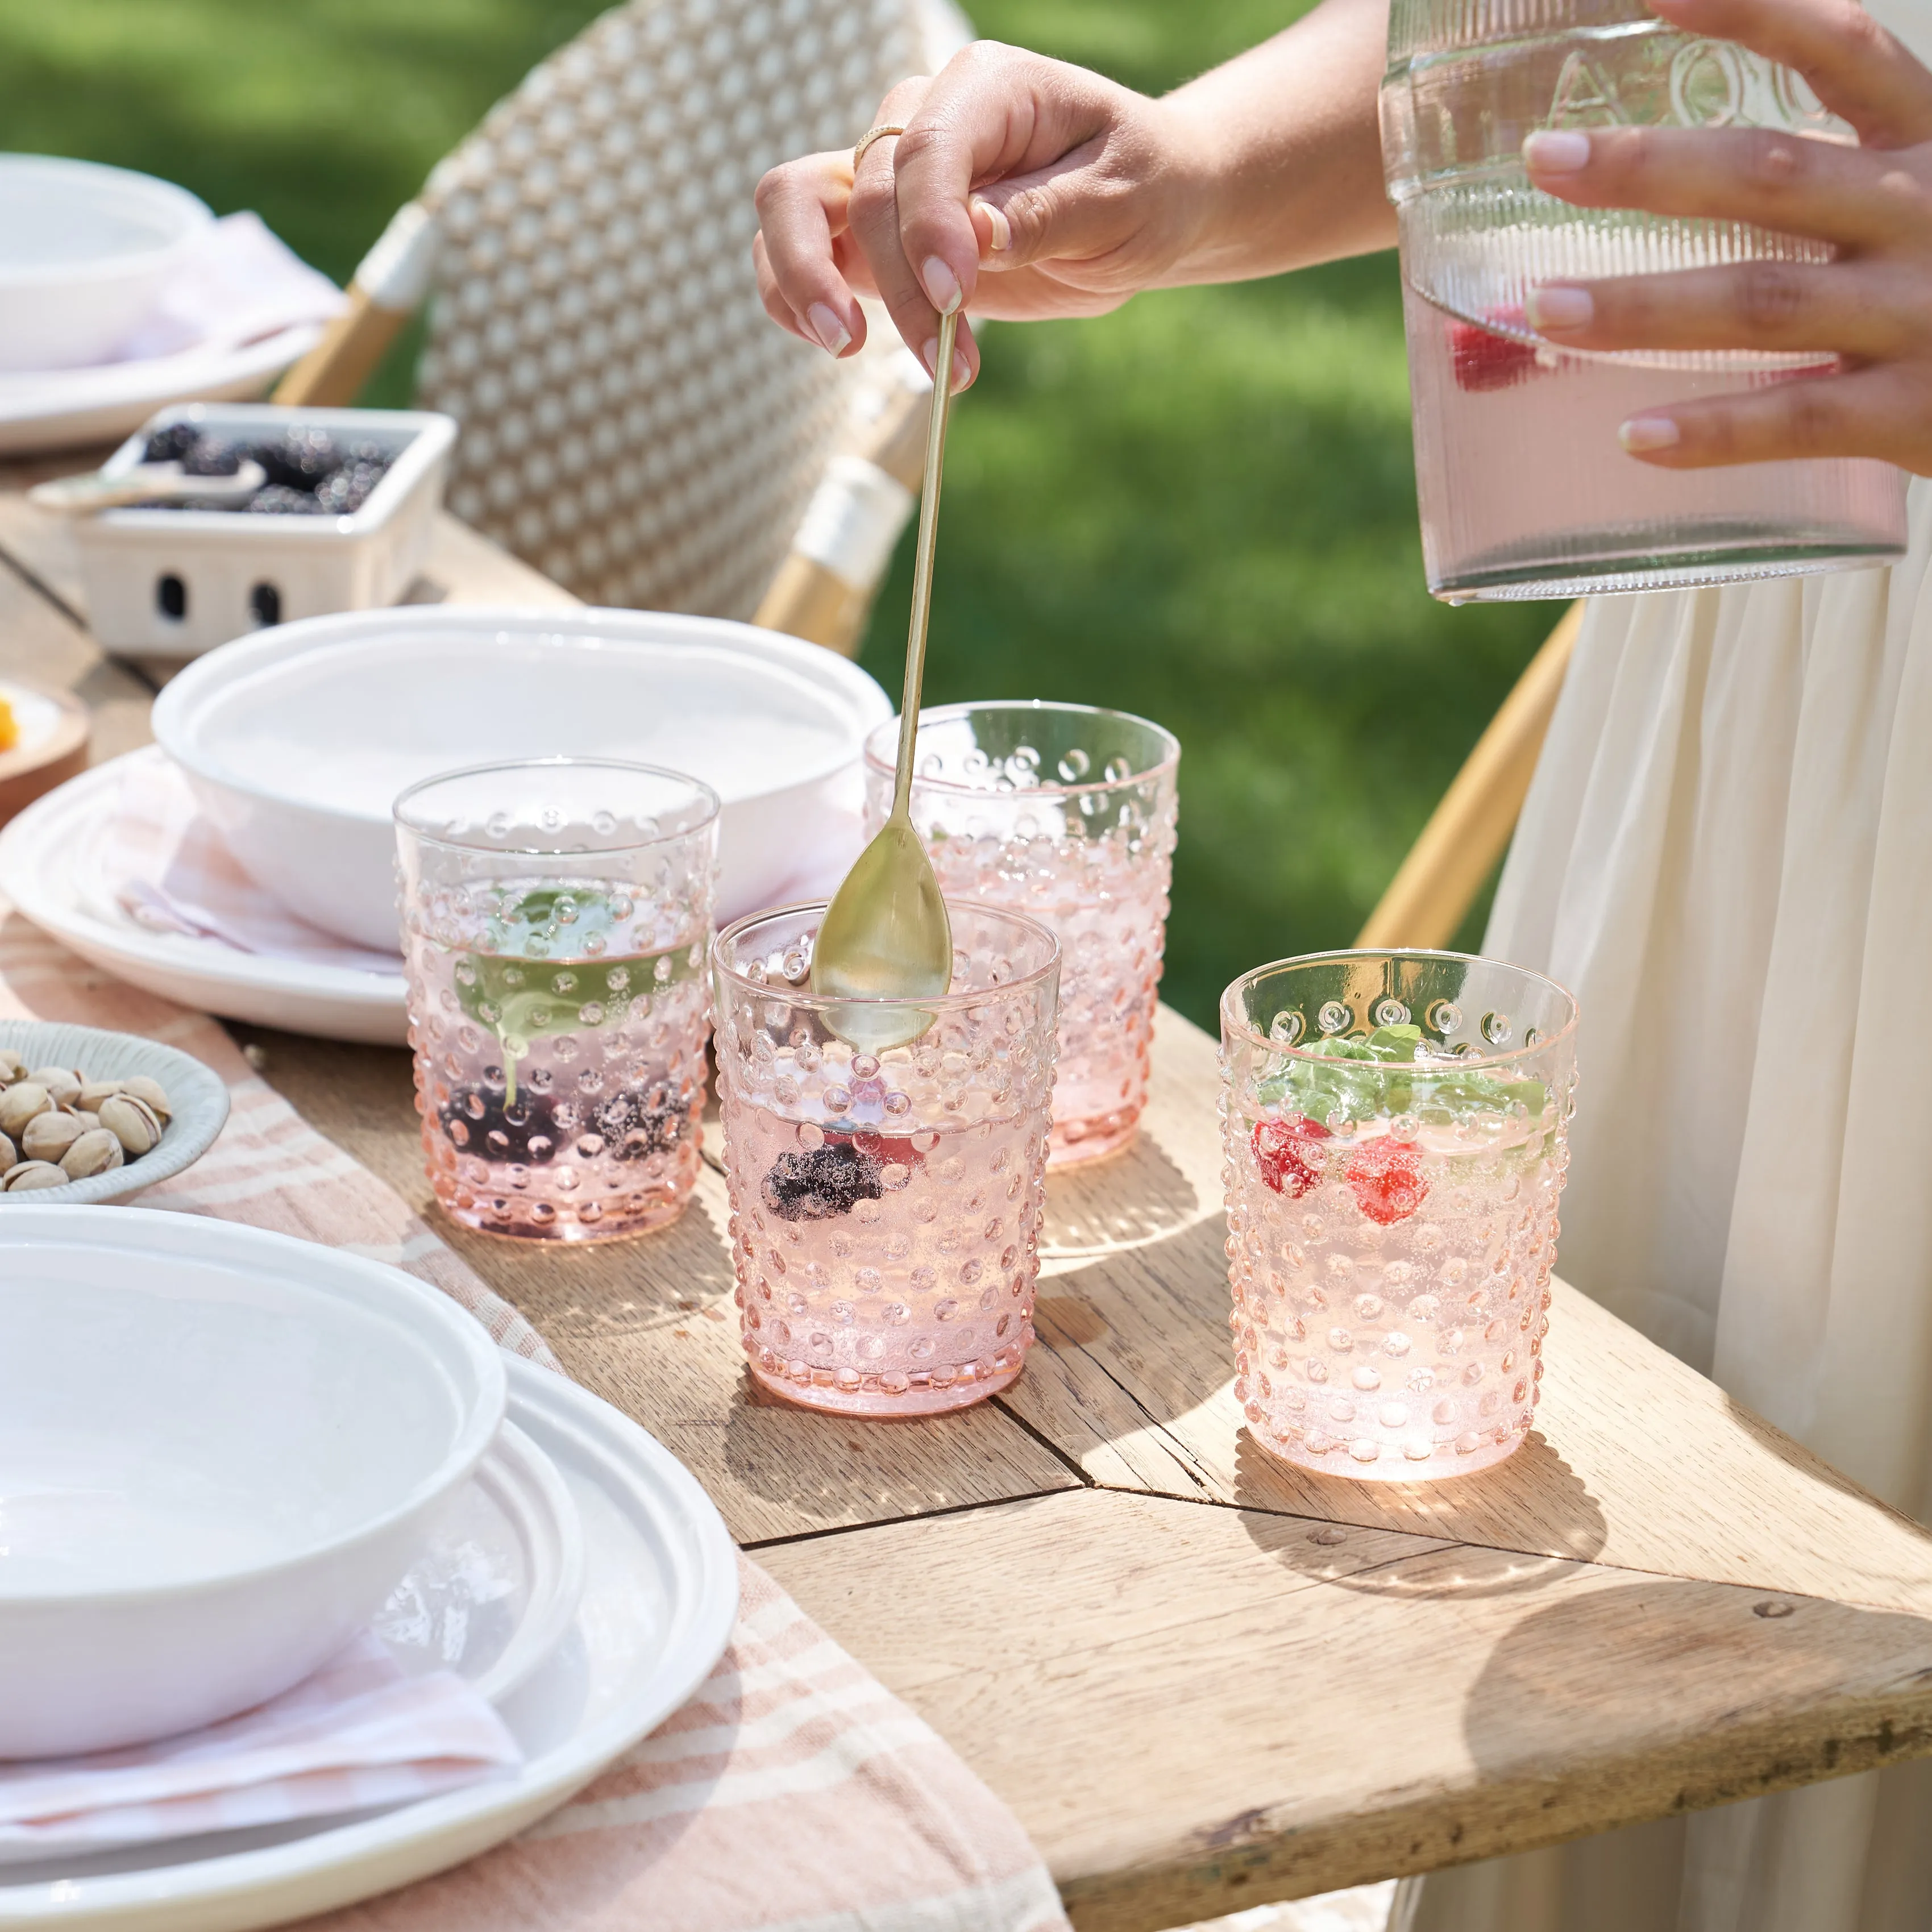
[(298, 740), (197, 1104), (219, 1450), (84, 250)]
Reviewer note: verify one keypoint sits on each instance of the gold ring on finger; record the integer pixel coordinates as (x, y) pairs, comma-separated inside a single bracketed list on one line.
[(871, 135)]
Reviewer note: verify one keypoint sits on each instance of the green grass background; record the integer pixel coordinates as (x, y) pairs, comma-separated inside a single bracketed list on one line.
[(1201, 507)]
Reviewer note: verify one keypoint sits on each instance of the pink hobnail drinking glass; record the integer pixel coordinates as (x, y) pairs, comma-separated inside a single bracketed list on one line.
[(1065, 812), (886, 1206), (1395, 1130), (555, 915)]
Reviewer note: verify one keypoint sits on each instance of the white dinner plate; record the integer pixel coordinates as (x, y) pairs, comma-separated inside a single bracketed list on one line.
[(660, 1597), (45, 870), (62, 409)]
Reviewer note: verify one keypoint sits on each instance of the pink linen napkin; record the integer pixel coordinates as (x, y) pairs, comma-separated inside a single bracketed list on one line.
[(162, 862), (360, 1732), (239, 282), (793, 1791)]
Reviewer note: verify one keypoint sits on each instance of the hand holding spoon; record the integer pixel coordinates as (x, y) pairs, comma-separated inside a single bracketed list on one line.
[(886, 936)]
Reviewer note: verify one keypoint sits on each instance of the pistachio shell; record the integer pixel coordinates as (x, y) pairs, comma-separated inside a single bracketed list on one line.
[(12, 1066), (20, 1103), (9, 1155), (95, 1153), (30, 1174), (144, 1086), (47, 1136), (94, 1092), (85, 1119), (132, 1122), (64, 1083)]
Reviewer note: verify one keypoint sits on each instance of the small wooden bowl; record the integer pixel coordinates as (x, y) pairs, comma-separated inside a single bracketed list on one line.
[(53, 749)]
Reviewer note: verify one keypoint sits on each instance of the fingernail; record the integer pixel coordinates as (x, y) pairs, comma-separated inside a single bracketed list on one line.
[(996, 220), (833, 335), (1646, 433), (961, 370), (929, 355), (1556, 150), (1560, 308), (942, 285)]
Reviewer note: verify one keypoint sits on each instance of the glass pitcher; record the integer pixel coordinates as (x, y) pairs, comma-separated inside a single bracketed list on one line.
[(1525, 491)]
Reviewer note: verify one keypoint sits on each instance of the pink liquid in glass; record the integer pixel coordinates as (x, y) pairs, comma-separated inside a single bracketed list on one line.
[(1392, 1222), (560, 1098), (556, 915), (886, 1206), (1065, 813)]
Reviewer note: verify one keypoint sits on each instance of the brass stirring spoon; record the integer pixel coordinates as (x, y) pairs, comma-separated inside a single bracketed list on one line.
[(886, 936)]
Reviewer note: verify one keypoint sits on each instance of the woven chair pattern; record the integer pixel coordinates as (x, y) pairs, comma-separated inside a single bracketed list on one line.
[(633, 424)]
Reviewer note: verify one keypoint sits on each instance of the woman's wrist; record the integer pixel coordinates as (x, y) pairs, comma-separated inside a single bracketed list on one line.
[(1284, 151)]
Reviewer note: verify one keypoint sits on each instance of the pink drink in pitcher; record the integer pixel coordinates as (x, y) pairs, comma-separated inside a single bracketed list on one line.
[(1524, 490)]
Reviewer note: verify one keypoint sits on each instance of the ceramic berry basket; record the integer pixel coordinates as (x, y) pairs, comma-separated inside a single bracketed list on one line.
[(173, 584)]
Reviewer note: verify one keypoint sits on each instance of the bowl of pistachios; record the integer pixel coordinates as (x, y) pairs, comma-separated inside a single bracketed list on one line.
[(88, 1116)]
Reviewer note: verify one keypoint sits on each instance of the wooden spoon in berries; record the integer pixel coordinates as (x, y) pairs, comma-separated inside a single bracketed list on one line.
[(886, 936)]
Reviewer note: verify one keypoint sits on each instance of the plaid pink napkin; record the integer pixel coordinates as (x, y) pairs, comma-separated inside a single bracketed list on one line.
[(360, 1732), (793, 1791)]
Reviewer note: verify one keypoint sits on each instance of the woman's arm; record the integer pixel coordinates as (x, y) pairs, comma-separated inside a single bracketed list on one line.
[(1029, 187)]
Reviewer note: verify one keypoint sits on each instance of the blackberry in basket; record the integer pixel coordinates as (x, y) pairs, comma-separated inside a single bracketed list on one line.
[(209, 456), (278, 499), (299, 458), (170, 443)]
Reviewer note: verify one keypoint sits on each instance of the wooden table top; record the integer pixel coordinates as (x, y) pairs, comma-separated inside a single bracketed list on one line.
[(1202, 1678)]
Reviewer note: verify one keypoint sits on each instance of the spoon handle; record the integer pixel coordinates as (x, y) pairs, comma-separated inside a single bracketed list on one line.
[(921, 573)]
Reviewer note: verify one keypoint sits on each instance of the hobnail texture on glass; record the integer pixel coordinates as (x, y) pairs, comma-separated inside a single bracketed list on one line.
[(1524, 490), (1392, 1225), (555, 917), (886, 1208), (1066, 813)]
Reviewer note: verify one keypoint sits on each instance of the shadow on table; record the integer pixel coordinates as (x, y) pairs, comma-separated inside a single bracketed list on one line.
[(607, 1289), (840, 1469), (1516, 1524), (1127, 1200), (1685, 1657), (1324, 1538)]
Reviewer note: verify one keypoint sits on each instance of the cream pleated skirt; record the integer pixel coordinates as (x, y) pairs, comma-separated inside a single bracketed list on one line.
[(1726, 855)]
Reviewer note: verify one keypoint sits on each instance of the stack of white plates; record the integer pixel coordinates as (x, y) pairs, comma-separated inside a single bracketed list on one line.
[(226, 1453), (297, 740)]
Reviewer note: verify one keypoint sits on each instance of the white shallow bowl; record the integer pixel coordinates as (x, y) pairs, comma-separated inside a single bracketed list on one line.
[(220, 1450), (197, 1100), (298, 740), (660, 1596), (84, 250)]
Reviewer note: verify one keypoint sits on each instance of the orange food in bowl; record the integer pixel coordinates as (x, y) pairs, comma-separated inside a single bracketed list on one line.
[(9, 726)]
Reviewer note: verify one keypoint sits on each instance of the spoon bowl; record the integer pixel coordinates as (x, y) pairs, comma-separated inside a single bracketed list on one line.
[(885, 937)]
